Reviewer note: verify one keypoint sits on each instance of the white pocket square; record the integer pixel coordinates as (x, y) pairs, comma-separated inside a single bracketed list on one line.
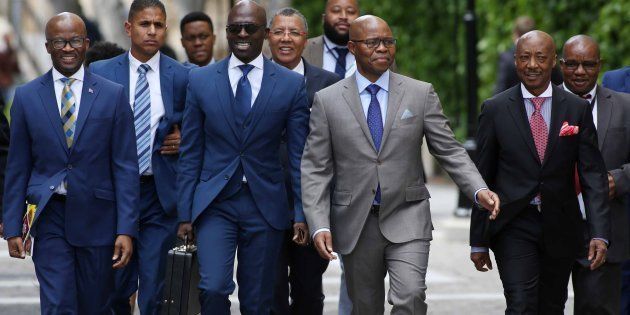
[(407, 114)]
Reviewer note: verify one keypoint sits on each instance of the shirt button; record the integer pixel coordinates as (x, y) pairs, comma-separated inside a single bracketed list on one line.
[(69, 166), (52, 187)]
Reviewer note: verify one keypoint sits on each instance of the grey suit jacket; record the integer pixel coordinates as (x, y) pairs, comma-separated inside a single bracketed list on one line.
[(613, 137), (340, 153)]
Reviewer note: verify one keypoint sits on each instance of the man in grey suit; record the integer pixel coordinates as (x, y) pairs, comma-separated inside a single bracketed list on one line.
[(598, 291), (365, 143)]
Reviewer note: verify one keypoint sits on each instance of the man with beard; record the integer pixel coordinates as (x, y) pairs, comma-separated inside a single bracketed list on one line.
[(155, 86), (598, 291), (72, 155), (231, 185), (197, 38)]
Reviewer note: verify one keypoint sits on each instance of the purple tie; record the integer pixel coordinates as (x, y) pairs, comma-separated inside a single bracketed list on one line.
[(375, 123)]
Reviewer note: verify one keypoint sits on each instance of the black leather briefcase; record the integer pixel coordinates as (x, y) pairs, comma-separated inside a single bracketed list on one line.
[(181, 292)]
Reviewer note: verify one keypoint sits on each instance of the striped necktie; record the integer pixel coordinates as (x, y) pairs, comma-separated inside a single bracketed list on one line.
[(68, 112), (142, 118)]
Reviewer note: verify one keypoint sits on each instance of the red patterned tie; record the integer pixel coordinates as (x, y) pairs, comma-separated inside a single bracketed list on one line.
[(539, 127)]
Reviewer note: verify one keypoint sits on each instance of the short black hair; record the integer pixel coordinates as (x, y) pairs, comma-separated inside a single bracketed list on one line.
[(102, 51), (139, 5), (194, 17)]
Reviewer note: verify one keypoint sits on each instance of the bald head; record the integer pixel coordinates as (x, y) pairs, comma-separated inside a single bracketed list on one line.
[(246, 30), (580, 64), (580, 42), (366, 24), (249, 7), (66, 42), (373, 46), (536, 37), (535, 57)]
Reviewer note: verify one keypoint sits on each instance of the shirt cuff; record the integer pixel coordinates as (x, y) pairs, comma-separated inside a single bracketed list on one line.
[(602, 239), (475, 249), (320, 230), (476, 192)]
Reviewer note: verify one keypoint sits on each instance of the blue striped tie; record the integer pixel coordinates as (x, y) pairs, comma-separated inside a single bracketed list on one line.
[(142, 118)]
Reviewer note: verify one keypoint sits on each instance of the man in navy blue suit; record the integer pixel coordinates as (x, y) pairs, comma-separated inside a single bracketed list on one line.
[(72, 154), (156, 88), (231, 182)]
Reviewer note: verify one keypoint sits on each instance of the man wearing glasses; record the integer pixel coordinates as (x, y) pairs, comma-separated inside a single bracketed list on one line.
[(598, 290), (231, 184), (72, 155), (287, 38), (197, 38), (365, 142)]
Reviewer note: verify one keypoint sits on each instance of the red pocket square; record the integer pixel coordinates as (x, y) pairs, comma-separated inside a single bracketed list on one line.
[(568, 130)]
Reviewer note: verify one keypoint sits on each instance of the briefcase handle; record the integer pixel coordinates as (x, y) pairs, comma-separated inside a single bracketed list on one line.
[(187, 247)]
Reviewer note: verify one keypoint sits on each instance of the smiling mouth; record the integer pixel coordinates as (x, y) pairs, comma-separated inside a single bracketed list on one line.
[(242, 45), (68, 58), (285, 50)]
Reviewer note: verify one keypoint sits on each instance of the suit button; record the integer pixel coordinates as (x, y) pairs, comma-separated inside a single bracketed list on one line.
[(69, 166), (226, 177), (52, 187), (378, 162)]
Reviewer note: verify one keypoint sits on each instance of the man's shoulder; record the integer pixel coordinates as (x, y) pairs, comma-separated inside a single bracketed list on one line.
[(618, 98), (316, 41), (617, 72), (103, 66), (325, 77), (103, 83), (174, 64)]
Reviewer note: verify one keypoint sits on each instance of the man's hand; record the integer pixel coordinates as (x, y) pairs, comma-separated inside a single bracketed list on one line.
[(170, 146), (597, 253), (490, 201), (323, 244), (123, 249), (16, 250), (611, 187), (185, 232), (481, 260), (300, 233)]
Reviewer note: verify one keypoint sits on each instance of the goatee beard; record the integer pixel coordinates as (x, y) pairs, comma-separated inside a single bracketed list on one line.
[(331, 33)]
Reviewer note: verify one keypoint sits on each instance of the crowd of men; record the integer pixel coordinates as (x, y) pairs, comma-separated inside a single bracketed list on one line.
[(307, 155)]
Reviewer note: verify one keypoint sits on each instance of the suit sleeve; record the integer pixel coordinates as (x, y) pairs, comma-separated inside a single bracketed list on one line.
[(297, 130), (447, 150), (125, 168), (18, 171), (178, 107), (317, 169), (593, 179), (487, 156), (190, 154)]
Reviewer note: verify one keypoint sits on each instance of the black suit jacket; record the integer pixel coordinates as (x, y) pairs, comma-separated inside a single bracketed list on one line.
[(316, 79), (509, 164)]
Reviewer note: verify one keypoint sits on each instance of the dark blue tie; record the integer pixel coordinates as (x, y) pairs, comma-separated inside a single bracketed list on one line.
[(243, 97), (375, 123), (340, 66)]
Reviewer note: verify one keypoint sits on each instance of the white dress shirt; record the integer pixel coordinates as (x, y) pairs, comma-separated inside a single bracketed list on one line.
[(155, 93), (254, 76), (366, 97), (330, 58), (76, 88)]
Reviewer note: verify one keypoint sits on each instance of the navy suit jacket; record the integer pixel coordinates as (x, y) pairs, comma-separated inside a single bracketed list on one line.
[(617, 80), (101, 168), (173, 81), (212, 145)]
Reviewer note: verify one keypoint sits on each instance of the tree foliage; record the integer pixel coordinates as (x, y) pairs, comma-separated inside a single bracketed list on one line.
[(431, 37)]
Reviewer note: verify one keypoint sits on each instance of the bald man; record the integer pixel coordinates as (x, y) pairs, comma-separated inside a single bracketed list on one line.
[(365, 142), (72, 154), (599, 291), (531, 140)]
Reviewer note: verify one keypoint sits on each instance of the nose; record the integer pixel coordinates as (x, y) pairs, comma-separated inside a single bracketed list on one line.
[(242, 33), (532, 62), (381, 47), (285, 37), (580, 69), (67, 47), (152, 29)]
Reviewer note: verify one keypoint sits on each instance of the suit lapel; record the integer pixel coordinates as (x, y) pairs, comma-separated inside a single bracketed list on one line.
[(351, 95), (49, 101), (604, 114), (519, 115), (396, 92), (224, 90), (262, 100), (166, 86), (88, 95), (558, 109), (122, 72)]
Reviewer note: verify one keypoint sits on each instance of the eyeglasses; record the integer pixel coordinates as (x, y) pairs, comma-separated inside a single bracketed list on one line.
[(201, 37), (295, 34), (375, 42), (250, 28), (574, 65), (75, 42)]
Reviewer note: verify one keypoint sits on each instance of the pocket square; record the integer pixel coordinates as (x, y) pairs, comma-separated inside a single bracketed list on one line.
[(407, 114), (568, 130)]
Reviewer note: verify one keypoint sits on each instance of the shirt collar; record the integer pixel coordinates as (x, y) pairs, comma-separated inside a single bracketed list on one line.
[(527, 94), (299, 68), (154, 62), (259, 62), (592, 92), (382, 82), (77, 75)]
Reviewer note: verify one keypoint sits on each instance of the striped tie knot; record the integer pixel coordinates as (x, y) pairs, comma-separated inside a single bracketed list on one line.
[(373, 89), (246, 69), (144, 68)]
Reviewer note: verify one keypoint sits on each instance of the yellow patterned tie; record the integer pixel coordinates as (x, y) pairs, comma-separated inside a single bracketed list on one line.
[(68, 115)]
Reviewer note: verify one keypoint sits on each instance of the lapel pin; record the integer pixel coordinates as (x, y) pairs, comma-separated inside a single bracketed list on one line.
[(90, 90)]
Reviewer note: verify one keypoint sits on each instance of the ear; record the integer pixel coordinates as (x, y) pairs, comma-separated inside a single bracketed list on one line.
[(352, 46), (128, 28), (49, 48), (555, 58), (87, 43)]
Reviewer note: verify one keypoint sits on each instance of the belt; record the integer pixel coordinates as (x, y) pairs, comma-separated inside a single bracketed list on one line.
[(58, 197), (375, 209), (145, 179)]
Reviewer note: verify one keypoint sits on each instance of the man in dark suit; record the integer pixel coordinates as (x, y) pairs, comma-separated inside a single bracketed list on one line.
[(155, 86), (231, 184), (599, 291), (287, 37), (72, 155), (531, 139), (617, 80)]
